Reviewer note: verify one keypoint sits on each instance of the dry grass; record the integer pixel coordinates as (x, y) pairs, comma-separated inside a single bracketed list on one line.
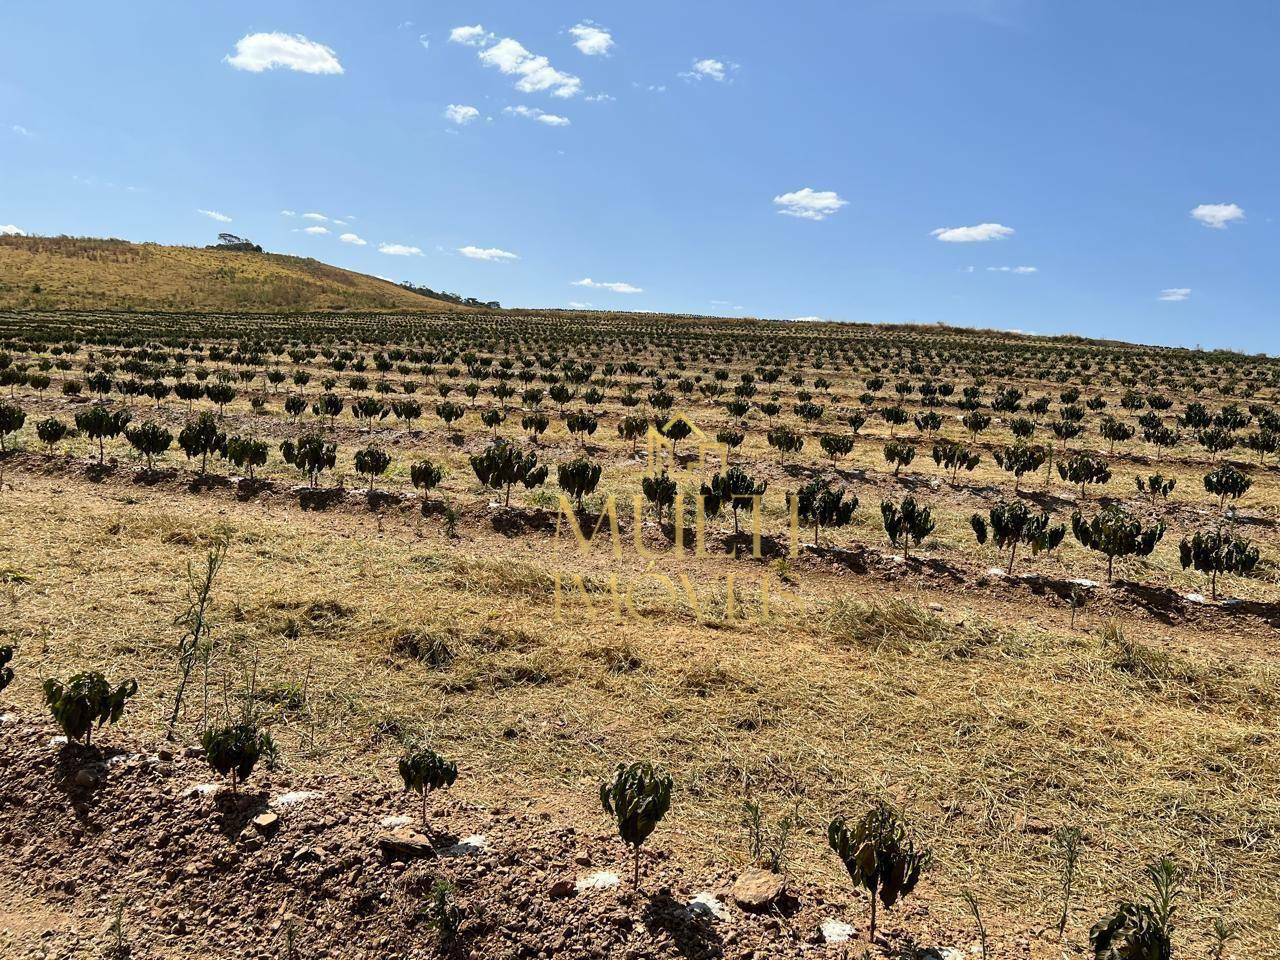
[(991, 735), (68, 273)]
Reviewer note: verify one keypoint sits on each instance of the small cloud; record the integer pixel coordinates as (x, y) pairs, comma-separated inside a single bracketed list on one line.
[(599, 98), (399, 250), (461, 114), (1217, 215), (810, 204), (316, 231), (1175, 294), (9, 230), (215, 215), (288, 213), (533, 113), (976, 234), (710, 69), (476, 36), (314, 216), (613, 287), (21, 131), (257, 52), (338, 223), (536, 75), (487, 253), (1013, 269), (425, 41), (353, 239), (591, 38)]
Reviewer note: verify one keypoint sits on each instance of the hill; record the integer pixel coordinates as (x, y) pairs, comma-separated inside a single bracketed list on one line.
[(73, 273)]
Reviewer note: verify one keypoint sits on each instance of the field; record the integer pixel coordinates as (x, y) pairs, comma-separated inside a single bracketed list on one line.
[(375, 594)]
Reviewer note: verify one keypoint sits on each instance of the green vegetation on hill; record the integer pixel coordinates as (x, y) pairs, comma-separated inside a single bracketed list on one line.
[(73, 273)]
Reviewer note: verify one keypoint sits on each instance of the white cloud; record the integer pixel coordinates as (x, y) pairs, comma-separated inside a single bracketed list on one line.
[(256, 52), (710, 69), (314, 216), (9, 230), (399, 250), (599, 98), (1013, 269), (316, 231), (425, 41), (591, 38), (339, 223), (461, 114), (810, 204), (1175, 294), (1217, 215), (614, 287), (487, 253), (21, 131), (974, 234), (533, 113), (476, 36), (353, 238), (288, 213), (536, 75), (215, 215)]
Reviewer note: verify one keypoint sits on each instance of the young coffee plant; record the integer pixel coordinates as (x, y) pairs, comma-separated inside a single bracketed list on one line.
[(372, 462), (12, 418), (1156, 486), (85, 701), (310, 453), (1214, 552), (580, 477), (818, 505), (1227, 483), (424, 771), (879, 854), (900, 454), (247, 454), (1012, 523), (425, 476), (734, 488), (1020, 459), (234, 750), (1083, 469), (50, 432), (100, 424), (954, 457), (6, 671), (907, 524), (1141, 930), (762, 849), (203, 437), (1067, 841), (503, 465), (637, 800), (1115, 532), (150, 439)]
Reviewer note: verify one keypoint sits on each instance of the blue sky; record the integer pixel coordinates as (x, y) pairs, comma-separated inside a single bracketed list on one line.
[(779, 160)]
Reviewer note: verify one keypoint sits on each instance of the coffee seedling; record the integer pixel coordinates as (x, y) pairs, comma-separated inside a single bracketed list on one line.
[(12, 418), (1115, 532), (502, 465), (425, 476), (311, 454), (425, 770), (100, 424), (818, 505), (50, 431), (84, 701), (1067, 840), (659, 490), (1012, 523), (372, 462), (6, 671), (1227, 483), (879, 854), (1214, 552), (579, 477), (907, 524), (1141, 930), (1155, 486), (234, 750), (637, 800)]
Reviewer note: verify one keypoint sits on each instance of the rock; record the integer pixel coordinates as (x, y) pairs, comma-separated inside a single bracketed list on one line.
[(561, 889), (835, 931), (405, 842), (266, 823), (708, 905), (293, 799), (165, 754), (86, 778), (600, 880), (307, 855), (468, 846), (757, 889), (190, 752)]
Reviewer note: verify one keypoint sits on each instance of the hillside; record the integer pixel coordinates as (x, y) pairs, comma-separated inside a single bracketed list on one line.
[(71, 273)]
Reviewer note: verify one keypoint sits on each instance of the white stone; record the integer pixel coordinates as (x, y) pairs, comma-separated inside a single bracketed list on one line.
[(294, 798), (398, 821), (706, 904), (58, 741), (995, 572), (1195, 598), (203, 789), (8, 718), (836, 931), (470, 846), (1084, 583), (600, 880)]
